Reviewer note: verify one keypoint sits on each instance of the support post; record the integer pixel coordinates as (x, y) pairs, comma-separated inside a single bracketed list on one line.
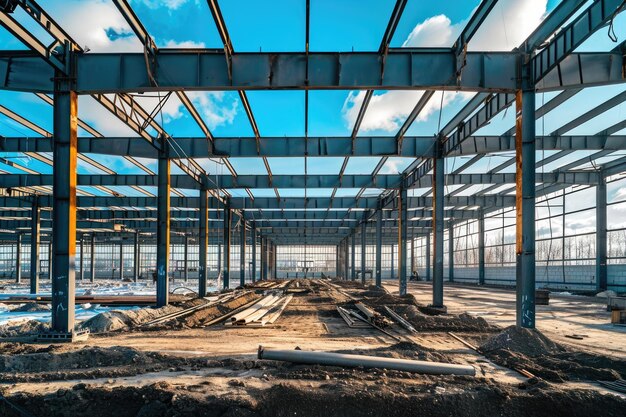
[(203, 242), (81, 268), (412, 261), (122, 259), (253, 249), (50, 260), (525, 204), (353, 257), (451, 251), (186, 259), (428, 267), (18, 259), (601, 235), (363, 251), (346, 259), (402, 238), (226, 251), (264, 258), (481, 248), (136, 257), (438, 211), (393, 269), (379, 248), (65, 156), (163, 231), (92, 258), (242, 253), (35, 240)]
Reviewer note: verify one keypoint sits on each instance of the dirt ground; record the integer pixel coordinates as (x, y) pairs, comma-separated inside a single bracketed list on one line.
[(185, 369)]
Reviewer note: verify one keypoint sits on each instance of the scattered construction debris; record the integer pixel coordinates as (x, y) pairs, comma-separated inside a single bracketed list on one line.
[(265, 311)]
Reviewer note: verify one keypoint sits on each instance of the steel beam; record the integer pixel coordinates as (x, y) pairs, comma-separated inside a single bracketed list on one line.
[(525, 194), (203, 242), (451, 251), (186, 259), (163, 232), (428, 268), (65, 155), (601, 236), (481, 248)]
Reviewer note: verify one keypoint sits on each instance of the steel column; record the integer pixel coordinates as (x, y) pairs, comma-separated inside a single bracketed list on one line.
[(163, 231), (122, 259), (253, 248), (242, 253), (203, 242), (346, 259), (428, 267), (402, 237), (136, 257), (451, 252), (226, 251), (18, 259), (379, 247), (81, 268), (363, 251), (64, 207), (263, 258), (438, 213), (92, 258), (50, 261), (601, 236), (525, 205), (481, 248), (353, 256), (412, 261), (35, 240), (186, 259)]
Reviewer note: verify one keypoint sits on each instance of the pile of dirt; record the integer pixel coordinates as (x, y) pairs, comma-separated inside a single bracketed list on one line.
[(445, 322), (530, 350), (116, 320), (338, 398), (31, 308), (90, 362), (23, 328), (403, 350), (21, 348), (374, 291)]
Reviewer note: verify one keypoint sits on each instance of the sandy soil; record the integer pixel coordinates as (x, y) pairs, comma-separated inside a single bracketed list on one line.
[(192, 371)]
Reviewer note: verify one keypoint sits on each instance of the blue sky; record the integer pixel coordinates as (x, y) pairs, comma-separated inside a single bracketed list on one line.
[(279, 26)]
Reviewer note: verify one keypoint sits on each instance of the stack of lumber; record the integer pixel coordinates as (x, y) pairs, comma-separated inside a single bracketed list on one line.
[(265, 311)]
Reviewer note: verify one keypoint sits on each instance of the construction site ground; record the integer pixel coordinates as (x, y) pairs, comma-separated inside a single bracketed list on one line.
[(189, 370)]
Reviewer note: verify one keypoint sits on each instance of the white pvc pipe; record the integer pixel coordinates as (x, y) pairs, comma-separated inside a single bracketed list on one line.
[(354, 361)]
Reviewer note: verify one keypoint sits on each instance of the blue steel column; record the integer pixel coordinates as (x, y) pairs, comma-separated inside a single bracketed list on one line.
[(379, 247), (50, 260), (64, 207), (81, 267), (203, 242), (121, 259), (353, 256), (35, 240), (525, 199), (186, 259), (481, 248), (92, 258), (263, 258), (363, 251), (393, 271), (428, 268), (438, 190), (253, 248), (163, 231), (601, 235), (242, 254), (402, 237), (451, 252), (18, 259), (346, 258), (226, 251), (136, 257)]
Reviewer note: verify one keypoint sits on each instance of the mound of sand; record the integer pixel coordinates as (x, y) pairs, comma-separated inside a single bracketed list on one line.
[(31, 308), (530, 342), (23, 328)]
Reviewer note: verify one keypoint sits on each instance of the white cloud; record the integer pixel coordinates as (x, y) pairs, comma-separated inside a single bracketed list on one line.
[(505, 28), (170, 4), (215, 107)]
